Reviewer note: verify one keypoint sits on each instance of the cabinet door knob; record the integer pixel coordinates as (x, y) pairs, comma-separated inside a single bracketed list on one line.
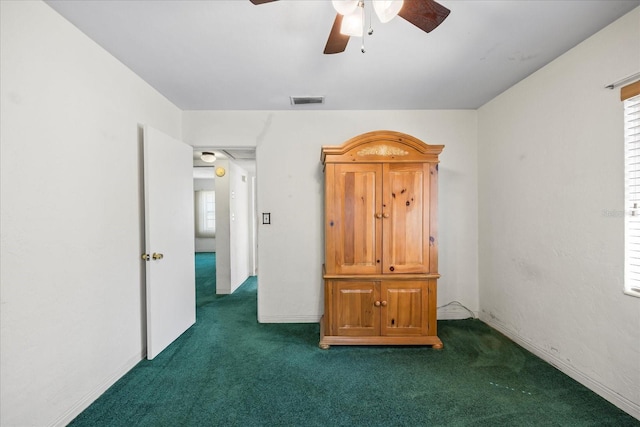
[(392, 268), (378, 215), (157, 256), (386, 215), (377, 303), (383, 303)]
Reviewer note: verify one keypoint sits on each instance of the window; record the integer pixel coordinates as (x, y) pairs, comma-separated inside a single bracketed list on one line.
[(632, 188), (205, 213)]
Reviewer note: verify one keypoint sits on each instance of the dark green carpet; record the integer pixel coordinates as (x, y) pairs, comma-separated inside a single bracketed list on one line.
[(228, 370)]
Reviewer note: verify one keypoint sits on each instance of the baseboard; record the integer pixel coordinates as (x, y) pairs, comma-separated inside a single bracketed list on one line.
[(88, 399), (442, 315), (603, 391), (456, 314), (311, 318)]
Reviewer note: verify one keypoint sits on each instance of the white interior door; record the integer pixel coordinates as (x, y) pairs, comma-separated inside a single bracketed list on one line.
[(169, 239)]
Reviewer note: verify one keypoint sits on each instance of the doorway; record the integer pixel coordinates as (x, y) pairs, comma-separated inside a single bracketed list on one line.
[(231, 175)]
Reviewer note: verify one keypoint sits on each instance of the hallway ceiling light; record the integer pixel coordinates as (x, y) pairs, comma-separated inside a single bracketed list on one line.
[(208, 157)]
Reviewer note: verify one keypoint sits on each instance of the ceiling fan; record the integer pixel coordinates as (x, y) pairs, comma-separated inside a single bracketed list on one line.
[(424, 14)]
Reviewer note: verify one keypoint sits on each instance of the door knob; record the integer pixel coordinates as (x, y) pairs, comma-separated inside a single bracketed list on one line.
[(377, 303), (383, 303), (157, 256), (145, 257), (386, 215), (378, 215)]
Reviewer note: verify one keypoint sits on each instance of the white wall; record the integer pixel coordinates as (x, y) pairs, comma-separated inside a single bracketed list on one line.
[(551, 253), (223, 230), (233, 227), (240, 226), (290, 187), (72, 316)]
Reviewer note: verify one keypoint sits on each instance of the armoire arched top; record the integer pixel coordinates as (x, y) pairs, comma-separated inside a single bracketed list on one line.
[(381, 146)]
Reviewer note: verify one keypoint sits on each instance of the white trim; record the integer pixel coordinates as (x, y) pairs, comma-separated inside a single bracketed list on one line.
[(312, 318), (456, 315), (91, 397), (631, 293), (315, 318), (605, 392)]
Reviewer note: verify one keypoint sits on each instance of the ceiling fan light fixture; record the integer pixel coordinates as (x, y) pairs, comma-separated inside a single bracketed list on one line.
[(208, 157), (386, 10), (353, 23), (344, 7)]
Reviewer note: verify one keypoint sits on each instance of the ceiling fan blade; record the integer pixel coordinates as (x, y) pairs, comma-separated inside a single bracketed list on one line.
[(337, 41), (424, 14), (256, 2)]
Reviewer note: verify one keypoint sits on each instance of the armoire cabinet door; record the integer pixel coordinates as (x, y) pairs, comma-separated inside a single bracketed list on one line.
[(406, 218), (405, 307), (353, 218), (355, 312)]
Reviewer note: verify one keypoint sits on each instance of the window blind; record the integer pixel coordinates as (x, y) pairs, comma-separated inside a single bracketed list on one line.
[(632, 193)]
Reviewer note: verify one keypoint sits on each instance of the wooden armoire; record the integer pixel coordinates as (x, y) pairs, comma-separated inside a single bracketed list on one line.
[(381, 243)]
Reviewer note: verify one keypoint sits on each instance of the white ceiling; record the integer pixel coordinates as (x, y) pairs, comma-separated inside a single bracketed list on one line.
[(233, 55)]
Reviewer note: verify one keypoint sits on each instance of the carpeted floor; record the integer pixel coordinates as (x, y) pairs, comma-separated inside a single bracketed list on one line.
[(228, 370)]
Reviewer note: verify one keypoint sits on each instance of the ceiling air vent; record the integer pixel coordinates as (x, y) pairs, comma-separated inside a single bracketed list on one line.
[(303, 100)]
